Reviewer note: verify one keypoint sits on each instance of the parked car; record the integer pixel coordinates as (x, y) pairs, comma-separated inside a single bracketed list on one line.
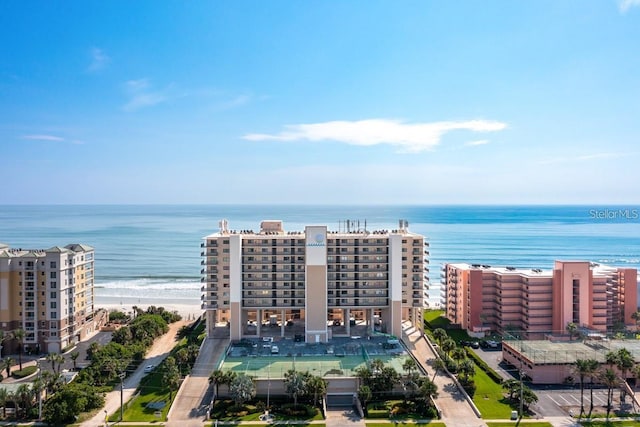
[(149, 368), (475, 344)]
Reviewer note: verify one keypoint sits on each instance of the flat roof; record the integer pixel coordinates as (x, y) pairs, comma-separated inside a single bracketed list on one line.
[(282, 233), (542, 352), (599, 270)]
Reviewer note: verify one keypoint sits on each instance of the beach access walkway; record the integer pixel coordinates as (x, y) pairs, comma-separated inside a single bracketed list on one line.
[(160, 349), (192, 401), (456, 410)]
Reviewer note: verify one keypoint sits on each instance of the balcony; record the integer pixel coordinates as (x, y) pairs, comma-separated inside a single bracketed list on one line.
[(209, 305)]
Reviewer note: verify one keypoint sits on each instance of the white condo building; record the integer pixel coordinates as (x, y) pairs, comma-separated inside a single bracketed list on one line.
[(314, 283)]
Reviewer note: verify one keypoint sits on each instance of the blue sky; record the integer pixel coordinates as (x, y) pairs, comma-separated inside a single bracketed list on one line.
[(412, 102)]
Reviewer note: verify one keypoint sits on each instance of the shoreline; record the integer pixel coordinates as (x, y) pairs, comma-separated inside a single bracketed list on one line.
[(186, 308)]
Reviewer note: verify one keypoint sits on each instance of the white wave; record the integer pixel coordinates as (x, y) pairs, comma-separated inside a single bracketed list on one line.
[(151, 284)]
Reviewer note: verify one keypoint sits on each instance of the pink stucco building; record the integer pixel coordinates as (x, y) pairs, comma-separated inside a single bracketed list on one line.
[(535, 303)]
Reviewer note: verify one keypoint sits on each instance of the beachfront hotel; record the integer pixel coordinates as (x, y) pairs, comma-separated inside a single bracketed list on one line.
[(48, 293), (313, 284), (535, 303)]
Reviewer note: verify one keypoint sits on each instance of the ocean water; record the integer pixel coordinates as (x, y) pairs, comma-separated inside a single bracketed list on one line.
[(153, 251)]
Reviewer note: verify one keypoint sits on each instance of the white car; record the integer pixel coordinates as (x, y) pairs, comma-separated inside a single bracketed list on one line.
[(149, 368)]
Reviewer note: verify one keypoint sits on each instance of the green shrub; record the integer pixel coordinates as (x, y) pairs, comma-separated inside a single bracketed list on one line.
[(25, 372), (300, 411), (483, 365), (378, 413), (468, 385)]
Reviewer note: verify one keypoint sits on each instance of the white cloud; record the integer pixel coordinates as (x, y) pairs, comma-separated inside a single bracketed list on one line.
[(141, 95), (476, 143), (410, 137), (581, 158), (41, 137), (99, 59), (625, 5), (50, 138)]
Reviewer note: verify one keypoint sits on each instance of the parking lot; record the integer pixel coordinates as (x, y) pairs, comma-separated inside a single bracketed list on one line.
[(553, 400)]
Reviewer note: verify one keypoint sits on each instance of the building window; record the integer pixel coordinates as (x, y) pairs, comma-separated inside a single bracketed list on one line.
[(54, 285), (54, 315), (53, 275), (54, 304), (54, 295)]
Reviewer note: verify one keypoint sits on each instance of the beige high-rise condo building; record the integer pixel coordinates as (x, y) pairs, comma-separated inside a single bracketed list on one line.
[(48, 293), (535, 303), (313, 284)]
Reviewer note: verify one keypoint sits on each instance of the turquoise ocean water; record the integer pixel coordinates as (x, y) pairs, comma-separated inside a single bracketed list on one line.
[(154, 251)]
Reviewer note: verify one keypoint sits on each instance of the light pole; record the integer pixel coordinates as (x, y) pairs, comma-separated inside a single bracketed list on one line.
[(268, 386), (521, 393), (39, 390), (106, 421), (122, 375)]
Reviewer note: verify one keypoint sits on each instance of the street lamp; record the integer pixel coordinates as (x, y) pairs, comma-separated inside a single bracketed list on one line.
[(122, 375), (39, 390), (521, 393)]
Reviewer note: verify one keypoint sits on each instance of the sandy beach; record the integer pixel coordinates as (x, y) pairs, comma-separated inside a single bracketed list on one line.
[(186, 308)]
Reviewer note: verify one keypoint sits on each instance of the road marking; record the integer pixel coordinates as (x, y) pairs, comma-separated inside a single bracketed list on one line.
[(562, 397), (554, 401)]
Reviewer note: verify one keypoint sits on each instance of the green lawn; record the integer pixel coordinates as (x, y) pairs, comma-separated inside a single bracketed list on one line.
[(141, 407), (489, 397), (522, 423), (431, 315)]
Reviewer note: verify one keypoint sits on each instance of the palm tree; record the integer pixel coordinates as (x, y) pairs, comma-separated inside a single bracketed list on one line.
[(610, 380), (438, 366), (229, 377), (294, 385), (4, 398), (592, 372), (409, 365), (216, 378), (24, 395), (7, 363), (458, 354), (448, 345), (467, 369), (18, 335), (74, 358), (171, 376), (316, 386), (439, 335), (582, 369)]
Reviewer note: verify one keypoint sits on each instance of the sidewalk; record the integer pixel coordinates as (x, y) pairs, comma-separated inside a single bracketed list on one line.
[(456, 411)]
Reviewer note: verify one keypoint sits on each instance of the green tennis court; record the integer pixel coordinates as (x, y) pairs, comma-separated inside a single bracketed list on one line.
[(325, 366)]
